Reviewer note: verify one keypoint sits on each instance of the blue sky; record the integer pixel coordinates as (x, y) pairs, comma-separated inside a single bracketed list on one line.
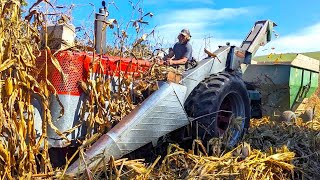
[(298, 21)]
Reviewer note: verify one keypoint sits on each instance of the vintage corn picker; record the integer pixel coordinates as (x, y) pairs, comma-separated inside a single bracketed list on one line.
[(207, 97)]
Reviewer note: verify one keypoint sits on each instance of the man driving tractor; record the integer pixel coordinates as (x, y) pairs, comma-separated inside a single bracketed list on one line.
[(181, 52)]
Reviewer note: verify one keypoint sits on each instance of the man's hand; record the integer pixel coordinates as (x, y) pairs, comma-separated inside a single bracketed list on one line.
[(165, 62), (168, 62), (161, 62)]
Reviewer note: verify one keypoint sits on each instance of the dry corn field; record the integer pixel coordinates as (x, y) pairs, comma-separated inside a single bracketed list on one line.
[(270, 150)]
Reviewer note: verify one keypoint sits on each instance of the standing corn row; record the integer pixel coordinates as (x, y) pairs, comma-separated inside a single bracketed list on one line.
[(19, 40)]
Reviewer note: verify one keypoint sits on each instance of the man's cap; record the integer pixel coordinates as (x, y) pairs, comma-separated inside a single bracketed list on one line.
[(186, 33)]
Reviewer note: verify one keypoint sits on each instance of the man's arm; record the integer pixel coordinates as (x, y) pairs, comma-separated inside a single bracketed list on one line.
[(185, 58), (179, 61)]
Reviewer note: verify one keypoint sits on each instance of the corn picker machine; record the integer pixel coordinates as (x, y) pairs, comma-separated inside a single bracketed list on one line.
[(205, 98)]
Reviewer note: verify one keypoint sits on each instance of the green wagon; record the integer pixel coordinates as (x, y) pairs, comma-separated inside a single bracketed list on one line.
[(285, 85)]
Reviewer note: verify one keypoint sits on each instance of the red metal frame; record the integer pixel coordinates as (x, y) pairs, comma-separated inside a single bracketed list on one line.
[(76, 67)]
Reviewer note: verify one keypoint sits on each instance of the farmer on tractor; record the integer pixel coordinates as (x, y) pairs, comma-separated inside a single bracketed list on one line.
[(181, 53)]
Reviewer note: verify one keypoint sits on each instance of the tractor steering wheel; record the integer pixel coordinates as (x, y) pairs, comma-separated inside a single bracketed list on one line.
[(157, 51)]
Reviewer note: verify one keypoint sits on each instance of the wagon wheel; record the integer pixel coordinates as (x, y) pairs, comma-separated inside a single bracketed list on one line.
[(308, 114), (288, 116)]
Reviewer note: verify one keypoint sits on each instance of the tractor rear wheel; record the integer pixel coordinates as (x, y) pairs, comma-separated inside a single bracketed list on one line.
[(214, 102)]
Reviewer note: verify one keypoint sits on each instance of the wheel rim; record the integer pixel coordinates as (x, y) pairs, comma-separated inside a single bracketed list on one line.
[(231, 105)]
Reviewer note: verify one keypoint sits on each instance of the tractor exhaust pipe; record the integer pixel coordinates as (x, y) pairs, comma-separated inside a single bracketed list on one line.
[(100, 32)]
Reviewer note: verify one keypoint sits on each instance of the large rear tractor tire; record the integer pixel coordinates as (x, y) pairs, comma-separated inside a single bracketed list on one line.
[(219, 104)]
